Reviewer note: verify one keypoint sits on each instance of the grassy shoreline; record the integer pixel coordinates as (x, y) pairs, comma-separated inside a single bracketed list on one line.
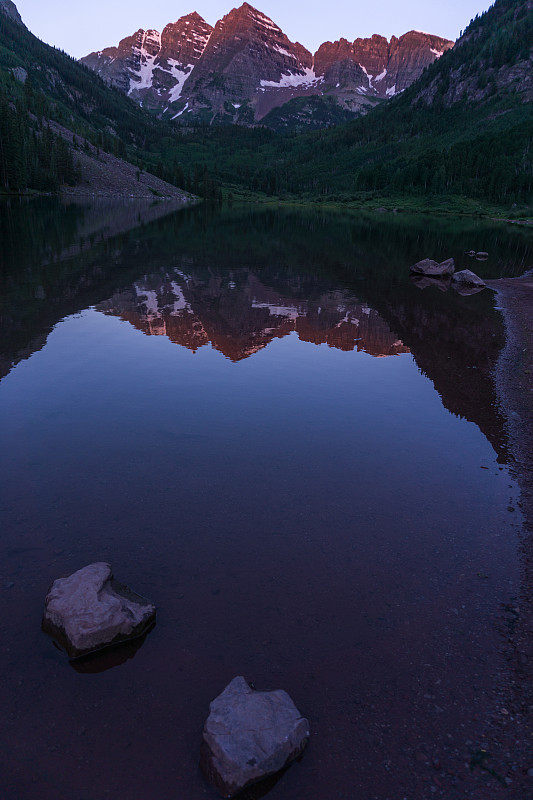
[(434, 205)]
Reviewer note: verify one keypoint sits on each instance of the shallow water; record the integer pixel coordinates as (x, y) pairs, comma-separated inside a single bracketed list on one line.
[(268, 430)]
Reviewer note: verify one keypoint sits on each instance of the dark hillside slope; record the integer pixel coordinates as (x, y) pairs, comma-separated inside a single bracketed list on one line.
[(39, 84), (465, 127)]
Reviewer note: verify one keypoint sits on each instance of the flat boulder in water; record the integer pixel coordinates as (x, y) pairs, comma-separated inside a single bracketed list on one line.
[(250, 735), (433, 269), (89, 610)]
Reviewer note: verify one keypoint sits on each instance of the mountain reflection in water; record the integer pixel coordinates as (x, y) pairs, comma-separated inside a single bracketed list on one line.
[(239, 314), (312, 518)]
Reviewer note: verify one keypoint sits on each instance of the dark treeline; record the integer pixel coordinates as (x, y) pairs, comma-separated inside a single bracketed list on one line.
[(31, 155), (422, 143), (61, 90)]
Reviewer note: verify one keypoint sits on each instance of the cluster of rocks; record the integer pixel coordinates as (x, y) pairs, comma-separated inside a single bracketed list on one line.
[(479, 256), (432, 273), (248, 736)]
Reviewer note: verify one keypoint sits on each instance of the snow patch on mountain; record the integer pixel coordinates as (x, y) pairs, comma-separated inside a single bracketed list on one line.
[(181, 112), (293, 79), (176, 90)]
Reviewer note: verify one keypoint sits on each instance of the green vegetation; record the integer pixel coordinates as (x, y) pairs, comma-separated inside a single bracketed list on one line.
[(61, 90), (30, 154), (461, 144)]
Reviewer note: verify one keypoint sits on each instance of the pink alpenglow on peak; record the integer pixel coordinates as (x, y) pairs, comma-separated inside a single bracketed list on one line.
[(246, 66)]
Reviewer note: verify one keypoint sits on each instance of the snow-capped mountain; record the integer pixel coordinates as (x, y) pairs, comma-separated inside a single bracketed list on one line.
[(152, 67), (246, 66)]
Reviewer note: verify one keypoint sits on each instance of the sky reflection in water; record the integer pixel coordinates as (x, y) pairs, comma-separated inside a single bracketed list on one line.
[(302, 511)]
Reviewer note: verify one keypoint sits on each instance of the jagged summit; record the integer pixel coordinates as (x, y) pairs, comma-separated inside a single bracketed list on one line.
[(246, 66)]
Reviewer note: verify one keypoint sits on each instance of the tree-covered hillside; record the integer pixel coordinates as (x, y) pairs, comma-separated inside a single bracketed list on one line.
[(465, 129), (39, 84)]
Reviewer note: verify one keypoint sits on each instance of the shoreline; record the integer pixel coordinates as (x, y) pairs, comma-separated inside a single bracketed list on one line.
[(513, 378)]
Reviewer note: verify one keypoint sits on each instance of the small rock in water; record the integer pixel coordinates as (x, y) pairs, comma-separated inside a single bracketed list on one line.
[(467, 282), (424, 282), (482, 255), (250, 735), (89, 610), (433, 269)]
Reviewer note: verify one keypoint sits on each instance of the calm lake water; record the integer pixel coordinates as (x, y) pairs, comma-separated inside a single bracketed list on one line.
[(266, 428)]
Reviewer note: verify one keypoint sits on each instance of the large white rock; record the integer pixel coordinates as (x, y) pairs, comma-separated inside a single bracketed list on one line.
[(250, 735), (433, 269), (89, 610)]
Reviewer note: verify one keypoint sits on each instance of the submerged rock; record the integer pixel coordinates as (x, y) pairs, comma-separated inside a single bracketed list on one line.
[(481, 256), (250, 735), (89, 610), (433, 269), (424, 282)]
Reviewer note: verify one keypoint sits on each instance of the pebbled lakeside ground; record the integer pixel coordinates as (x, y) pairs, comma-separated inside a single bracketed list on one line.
[(512, 727)]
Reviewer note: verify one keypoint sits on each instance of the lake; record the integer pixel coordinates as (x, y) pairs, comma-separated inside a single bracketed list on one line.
[(269, 430)]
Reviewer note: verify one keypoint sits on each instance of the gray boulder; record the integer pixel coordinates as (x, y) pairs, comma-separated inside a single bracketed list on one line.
[(89, 610), (466, 283), (468, 278), (250, 735), (481, 256), (432, 269)]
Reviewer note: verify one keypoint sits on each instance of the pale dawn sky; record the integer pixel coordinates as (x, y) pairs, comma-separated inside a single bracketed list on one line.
[(81, 27)]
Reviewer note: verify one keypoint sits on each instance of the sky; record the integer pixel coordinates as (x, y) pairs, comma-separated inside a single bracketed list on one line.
[(81, 26)]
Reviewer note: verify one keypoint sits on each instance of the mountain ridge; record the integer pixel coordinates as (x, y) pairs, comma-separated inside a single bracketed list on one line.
[(245, 66)]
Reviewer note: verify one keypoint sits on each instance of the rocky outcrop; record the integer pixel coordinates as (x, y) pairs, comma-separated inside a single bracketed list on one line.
[(246, 66), (89, 610), (9, 8), (493, 57), (249, 736), (389, 66)]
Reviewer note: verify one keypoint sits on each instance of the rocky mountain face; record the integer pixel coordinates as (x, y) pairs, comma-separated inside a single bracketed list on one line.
[(389, 66), (9, 8), (245, 67), (150, 66), (493, 57)]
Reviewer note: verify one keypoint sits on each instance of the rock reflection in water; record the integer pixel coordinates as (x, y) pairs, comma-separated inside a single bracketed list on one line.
[(240, 315)]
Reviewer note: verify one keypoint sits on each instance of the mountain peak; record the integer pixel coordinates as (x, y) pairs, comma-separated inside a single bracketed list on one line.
[(245, 66)]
